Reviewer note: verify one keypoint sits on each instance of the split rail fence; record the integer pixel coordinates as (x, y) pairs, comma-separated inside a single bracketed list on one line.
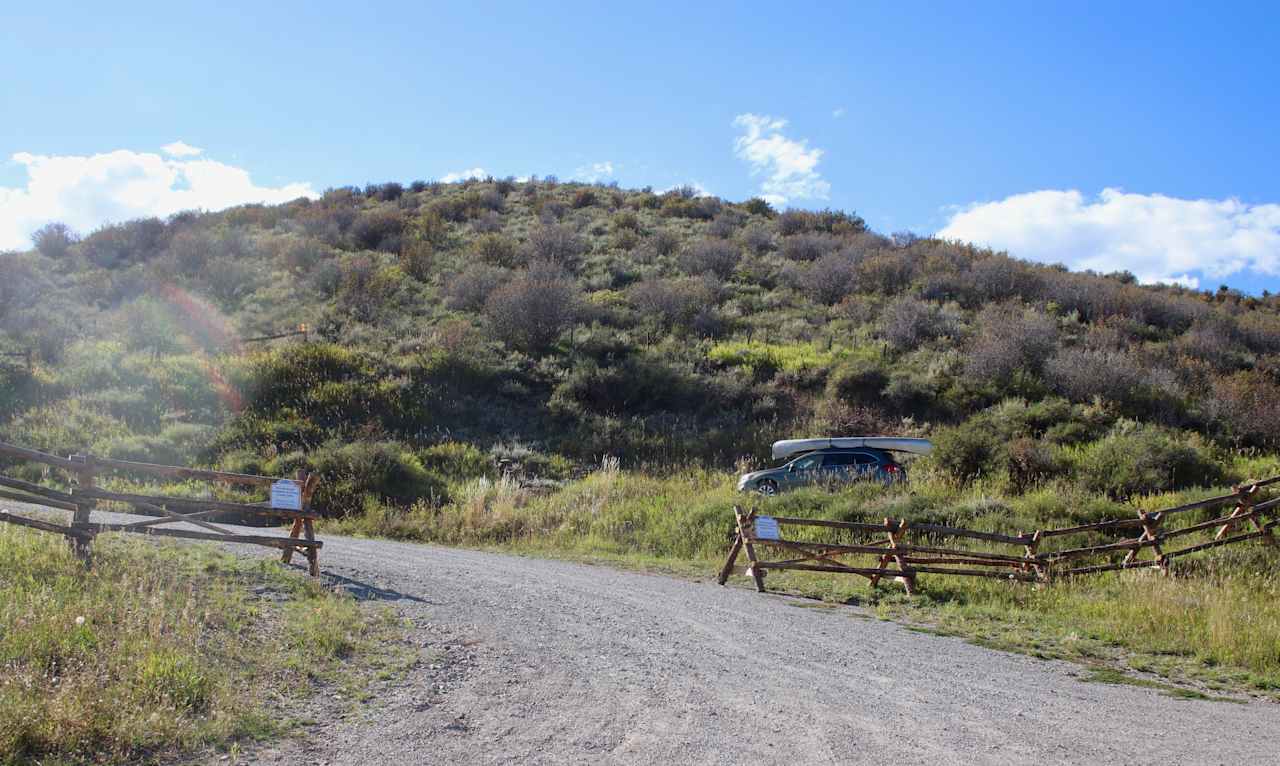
[(82, 476), (901, 550)]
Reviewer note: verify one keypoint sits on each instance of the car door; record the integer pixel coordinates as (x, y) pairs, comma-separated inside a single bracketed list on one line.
[(866, 465), (803, 471), (838, 467)]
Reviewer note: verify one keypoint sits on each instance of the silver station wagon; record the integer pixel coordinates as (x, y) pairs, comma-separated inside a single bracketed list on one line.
[(833, 461)]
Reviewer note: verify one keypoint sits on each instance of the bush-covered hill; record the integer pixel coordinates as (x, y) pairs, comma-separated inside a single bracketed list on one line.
[(457, 330)]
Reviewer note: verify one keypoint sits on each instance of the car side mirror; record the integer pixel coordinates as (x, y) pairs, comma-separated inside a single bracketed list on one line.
[(791, 469)]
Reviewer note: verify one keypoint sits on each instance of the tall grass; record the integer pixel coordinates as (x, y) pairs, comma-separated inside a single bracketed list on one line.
[(158, 648)]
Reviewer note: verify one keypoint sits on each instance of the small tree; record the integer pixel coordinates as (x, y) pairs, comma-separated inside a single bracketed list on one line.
[(469, 290), (497, 250), (1011, 339), (908, 322), (711, 256), (556, 245), (529, 312), (54, 239), (669, 303), (829, 279)]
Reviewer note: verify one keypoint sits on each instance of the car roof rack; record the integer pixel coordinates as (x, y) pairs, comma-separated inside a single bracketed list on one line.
[(791, 447)]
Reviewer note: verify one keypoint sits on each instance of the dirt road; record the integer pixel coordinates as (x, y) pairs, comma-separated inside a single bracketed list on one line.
[(551, 662), (535, 661)]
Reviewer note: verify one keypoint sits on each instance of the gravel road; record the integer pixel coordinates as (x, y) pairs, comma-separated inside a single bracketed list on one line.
[(567, 663), (536, 661)]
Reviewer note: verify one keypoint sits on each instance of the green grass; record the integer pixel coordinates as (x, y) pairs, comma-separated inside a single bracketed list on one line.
[(1113, 676), (159, 649)]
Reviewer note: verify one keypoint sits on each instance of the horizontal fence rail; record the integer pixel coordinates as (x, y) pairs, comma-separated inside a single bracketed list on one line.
[(291, 501), (901, 550)]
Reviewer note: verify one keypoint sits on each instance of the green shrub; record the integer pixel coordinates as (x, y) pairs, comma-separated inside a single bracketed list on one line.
[(857, 381), (1030, 462), (496, 250), (456, 460), (352, 471), (967, 451), (1145, 459)]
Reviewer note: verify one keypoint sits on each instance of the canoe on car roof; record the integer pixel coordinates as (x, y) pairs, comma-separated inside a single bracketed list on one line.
[(789, 447)]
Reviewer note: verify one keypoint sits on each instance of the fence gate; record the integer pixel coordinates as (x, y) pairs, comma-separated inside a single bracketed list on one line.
[(902, 550), (290, 499)]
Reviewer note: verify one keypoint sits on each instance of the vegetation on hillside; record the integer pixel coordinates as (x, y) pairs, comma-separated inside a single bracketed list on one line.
[(475, 350), (550, 325)]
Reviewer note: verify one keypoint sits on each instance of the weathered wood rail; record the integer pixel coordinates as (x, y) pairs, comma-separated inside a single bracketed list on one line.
[(84, 474), (901, 550)]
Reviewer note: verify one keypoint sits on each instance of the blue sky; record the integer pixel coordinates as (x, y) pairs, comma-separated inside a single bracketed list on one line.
[(1001, 123)]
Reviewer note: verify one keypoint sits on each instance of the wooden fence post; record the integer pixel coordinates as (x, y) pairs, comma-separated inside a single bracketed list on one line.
[(896, 530), (908, 576), (734, 550), (86, 478), (1032, 550), (744, 525), (1150, 535), (307, 486), (884, 560), (1244, 504)]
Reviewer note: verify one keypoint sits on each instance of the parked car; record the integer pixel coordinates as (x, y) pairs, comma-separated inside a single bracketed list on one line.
[(833, 461)]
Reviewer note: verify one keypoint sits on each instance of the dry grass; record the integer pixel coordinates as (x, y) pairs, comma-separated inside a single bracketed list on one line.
[(158, 649)]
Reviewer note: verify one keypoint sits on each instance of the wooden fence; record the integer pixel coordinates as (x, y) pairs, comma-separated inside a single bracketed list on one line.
[(83, 474), (901, 550)]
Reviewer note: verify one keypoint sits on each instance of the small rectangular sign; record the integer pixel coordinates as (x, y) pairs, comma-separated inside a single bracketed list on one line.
[(766, 528), (286, 495)]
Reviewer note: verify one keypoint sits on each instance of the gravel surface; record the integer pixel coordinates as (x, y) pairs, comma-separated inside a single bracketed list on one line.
[(567, 663), (536, 661)]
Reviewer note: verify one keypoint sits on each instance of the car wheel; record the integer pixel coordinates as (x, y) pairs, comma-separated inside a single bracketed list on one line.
[(768, 488)]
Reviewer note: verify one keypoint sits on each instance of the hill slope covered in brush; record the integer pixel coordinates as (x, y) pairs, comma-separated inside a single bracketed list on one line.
[(545, 325)]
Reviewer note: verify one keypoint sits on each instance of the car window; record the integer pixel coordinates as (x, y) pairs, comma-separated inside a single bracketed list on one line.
[(862, 458), (838, 459), (807, 463)]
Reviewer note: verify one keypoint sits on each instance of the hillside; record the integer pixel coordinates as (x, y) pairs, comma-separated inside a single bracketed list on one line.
[(544, 326)]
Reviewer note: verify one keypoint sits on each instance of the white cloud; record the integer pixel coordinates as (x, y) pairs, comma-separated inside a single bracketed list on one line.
[(594, 173), (181, 149), (838, 112), (789, 167), (86, 192), (465, 175), (1157, 238)]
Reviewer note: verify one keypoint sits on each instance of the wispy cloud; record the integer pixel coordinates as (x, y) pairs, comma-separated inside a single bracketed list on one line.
[(789, 166), (594, 173), (838, 112), (181, 149), (1157, 238), (464, 175), (85, 192)]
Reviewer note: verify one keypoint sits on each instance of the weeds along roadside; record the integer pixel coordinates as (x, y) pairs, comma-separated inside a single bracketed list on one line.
[(163, 648)]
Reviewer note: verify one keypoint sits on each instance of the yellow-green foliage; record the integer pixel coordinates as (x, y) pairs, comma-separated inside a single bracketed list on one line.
[(157, 648), (754, 356)]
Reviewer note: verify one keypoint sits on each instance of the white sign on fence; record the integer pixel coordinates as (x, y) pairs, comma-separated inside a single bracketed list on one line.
[(286, 495), (766, 528)]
